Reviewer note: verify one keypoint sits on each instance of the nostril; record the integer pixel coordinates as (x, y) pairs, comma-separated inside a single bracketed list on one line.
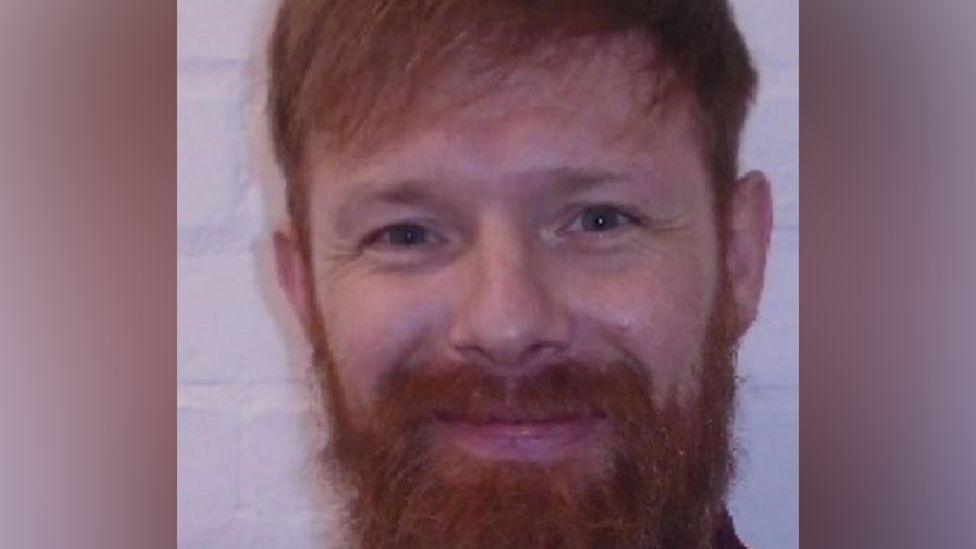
[(524, 351)]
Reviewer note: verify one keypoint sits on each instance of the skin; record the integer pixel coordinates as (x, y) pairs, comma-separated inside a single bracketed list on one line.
[(553, 219)]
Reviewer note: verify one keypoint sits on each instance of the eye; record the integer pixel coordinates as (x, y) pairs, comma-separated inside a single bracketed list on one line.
[(402, 235), (601, 219)]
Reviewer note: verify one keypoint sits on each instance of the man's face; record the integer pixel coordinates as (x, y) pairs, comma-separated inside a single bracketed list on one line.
[(515, 297)]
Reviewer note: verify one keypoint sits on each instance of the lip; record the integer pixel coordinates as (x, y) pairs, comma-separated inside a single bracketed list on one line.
[(535, 440)]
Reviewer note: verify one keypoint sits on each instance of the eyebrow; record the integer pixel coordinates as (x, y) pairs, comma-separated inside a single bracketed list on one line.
[(561, 181), (404, 192), (569, 180)]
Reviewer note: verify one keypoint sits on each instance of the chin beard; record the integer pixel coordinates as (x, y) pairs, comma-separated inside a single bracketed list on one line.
[(658, 479)]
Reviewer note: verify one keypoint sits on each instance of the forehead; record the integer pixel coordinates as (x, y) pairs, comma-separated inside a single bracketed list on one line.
[(603, 108)]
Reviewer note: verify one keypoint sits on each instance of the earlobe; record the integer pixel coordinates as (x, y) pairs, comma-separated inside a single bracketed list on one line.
[(750, 220), (291, 269)]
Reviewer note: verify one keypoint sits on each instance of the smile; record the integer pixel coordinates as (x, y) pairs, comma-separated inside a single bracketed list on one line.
[(531, 440)]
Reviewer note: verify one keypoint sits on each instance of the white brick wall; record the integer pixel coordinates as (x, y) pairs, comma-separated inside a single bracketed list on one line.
[(247, 429)]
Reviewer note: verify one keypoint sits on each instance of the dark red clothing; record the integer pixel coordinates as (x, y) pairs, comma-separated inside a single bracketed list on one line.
[(725, 537)]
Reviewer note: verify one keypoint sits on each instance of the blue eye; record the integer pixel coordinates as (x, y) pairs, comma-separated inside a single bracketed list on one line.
[(401, 235), (602, 219)]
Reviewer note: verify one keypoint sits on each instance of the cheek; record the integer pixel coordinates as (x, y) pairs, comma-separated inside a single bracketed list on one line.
[(373, 325), (656, 313)]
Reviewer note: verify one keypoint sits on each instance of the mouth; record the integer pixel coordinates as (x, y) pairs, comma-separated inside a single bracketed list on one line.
[(513, 438)]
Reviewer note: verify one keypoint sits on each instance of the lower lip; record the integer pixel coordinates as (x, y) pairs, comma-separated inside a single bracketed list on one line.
[(533, 441)]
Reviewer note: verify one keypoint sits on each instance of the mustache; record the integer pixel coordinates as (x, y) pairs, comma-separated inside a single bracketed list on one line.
[(562, 391)]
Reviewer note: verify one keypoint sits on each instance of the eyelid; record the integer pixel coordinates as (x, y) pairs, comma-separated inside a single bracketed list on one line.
[(373, 238), (628, 214)]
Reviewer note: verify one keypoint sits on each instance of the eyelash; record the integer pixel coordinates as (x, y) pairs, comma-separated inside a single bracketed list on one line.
[(628, 217), (375, 238)]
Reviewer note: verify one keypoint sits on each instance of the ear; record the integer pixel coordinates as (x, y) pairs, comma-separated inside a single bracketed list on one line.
[(293, 274), (750, 223)]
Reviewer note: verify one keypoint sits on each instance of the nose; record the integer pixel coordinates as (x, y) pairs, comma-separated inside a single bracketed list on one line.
[(509, 317)]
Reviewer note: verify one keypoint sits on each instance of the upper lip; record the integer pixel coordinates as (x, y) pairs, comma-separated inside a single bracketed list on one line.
[(514, 417)]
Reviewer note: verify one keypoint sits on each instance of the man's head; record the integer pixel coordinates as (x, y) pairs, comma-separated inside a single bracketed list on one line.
[(523, 261)]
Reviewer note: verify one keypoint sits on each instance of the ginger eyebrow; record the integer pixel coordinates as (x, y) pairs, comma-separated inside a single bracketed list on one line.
[(405, 192), (569, 180)]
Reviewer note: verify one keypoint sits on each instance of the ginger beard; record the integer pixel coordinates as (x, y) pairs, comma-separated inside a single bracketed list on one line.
[(658, 478)]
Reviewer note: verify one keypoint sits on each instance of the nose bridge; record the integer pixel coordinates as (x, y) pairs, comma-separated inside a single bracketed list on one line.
[(511, 315)]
